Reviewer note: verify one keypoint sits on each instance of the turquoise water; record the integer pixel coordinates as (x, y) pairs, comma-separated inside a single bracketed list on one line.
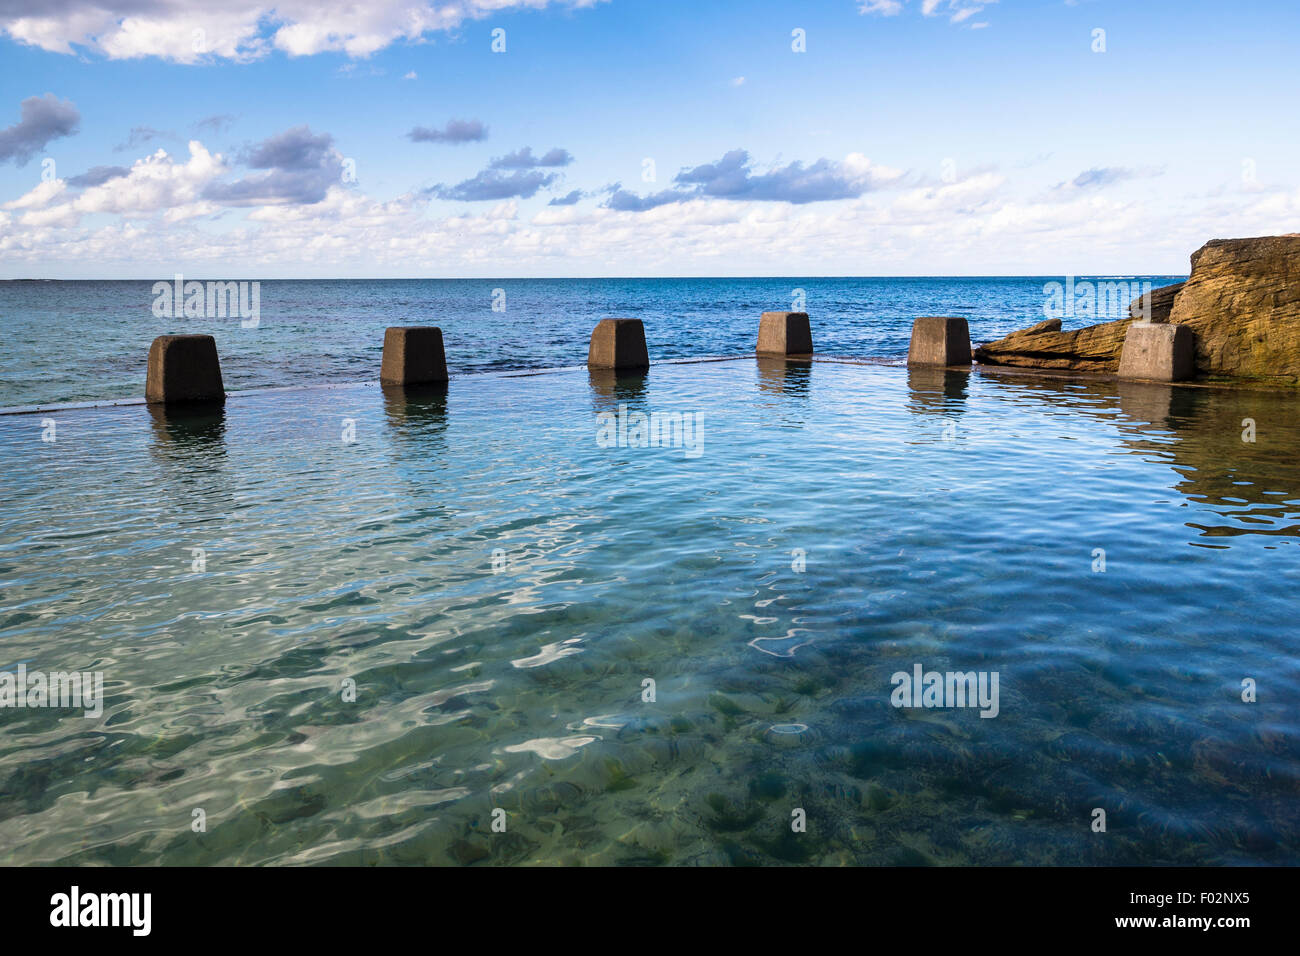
[(88, 341), (499, 587)]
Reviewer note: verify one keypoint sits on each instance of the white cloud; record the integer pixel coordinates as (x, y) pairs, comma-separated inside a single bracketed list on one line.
[(38, 197), (864, 170), (158, 215), (957, 11), (155, 184), (191, 31)]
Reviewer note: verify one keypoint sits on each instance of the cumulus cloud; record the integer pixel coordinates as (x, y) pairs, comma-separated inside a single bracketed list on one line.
[(193, 31), (41, 119), (299, 167), (98, 175), (456, 131), (155, 184), (970, 227), (524, 159), (496, 184), (38, 197), (622, 200), (296, 148), (731, 215), (517, 175), (734, 177)]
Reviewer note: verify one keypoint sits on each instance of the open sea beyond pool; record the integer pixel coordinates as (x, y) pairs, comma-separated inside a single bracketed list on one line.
[(88, 341), (349, 625)]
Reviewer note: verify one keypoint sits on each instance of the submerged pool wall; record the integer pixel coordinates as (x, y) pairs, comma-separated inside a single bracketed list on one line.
[(187, 369)]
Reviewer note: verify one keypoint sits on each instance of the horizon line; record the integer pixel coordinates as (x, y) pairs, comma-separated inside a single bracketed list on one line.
[(989, 275)]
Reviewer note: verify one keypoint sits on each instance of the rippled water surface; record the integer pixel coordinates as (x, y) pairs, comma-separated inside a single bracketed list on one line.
[(500, 588), (88, 341)]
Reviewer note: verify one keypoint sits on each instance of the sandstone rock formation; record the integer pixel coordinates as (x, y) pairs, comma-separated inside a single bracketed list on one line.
[(1242, 301), (1156, 304), (1092, 349)]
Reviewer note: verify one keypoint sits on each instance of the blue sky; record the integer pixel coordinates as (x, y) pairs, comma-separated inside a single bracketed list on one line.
[(910, 137)]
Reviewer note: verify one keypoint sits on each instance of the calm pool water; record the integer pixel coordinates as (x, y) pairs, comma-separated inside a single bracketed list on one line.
[(500, 588)]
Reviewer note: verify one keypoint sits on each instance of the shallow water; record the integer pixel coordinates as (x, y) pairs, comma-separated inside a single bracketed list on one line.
[(946, 519)]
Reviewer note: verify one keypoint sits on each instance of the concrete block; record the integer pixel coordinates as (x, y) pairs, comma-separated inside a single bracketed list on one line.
[(618, 343), (413, 355), (784, 333), (1158, 352), (184, 368), (939, 340)]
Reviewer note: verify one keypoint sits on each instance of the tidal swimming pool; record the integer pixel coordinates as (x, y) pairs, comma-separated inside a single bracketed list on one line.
[(349, 626)]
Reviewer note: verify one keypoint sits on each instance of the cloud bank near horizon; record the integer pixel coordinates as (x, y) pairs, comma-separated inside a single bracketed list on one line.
[(295, 206)]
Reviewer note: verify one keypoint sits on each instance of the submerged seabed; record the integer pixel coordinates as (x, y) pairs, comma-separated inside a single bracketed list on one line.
[(945, 519)]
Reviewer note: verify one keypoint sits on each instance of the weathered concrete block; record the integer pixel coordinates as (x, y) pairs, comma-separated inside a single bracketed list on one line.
[(184, 368), (618, 343), (939, 340), (784, 333), (413, 355), (1158, 352)]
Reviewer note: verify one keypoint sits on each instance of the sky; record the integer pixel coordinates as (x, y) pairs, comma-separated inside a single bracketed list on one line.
[(521, 138)]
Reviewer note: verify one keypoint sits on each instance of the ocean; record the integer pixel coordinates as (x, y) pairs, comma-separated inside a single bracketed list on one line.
[(88, 341)]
